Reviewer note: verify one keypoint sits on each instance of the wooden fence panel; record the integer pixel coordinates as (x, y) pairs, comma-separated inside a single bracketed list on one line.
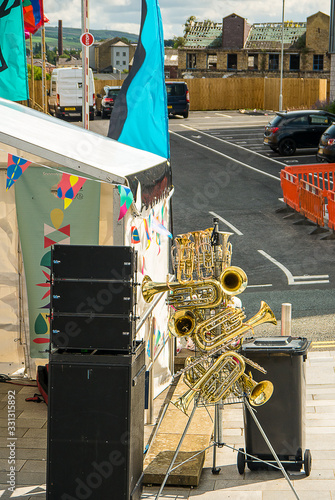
[(238, 93)]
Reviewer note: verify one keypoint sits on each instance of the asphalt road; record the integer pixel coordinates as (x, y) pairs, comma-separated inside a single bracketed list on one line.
[(221, 168)]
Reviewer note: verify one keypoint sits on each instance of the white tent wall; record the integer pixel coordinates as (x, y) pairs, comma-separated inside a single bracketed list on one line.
[(14, 324), (53, 143)]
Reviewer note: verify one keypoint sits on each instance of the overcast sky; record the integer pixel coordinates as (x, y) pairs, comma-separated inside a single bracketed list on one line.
[(125, 15)]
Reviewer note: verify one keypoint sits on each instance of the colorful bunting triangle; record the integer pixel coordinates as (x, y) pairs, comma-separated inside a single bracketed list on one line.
[(68, 188), (15, 168), (159, 228), (135, 237), (126, 199)]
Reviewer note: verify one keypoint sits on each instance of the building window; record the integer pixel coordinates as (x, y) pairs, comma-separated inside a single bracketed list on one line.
[(191, 61), (231, 61), (294, 62), (273, 62), (118, 53), (253, 62), (211, 61), (117, 62), (124, 63), (318, 62), (124, 54)]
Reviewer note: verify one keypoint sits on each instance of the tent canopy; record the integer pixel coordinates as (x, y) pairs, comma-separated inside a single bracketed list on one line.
[(77, 149)]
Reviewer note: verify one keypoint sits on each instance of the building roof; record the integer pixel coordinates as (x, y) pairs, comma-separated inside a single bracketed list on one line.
[(204, 34), (269, 35), (261, 35)]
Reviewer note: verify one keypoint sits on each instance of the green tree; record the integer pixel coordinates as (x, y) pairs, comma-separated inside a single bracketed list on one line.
[(188, 23), (178, 41), (37, 73)]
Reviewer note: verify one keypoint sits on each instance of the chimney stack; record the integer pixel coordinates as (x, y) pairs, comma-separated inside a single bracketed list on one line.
[(60, 38)]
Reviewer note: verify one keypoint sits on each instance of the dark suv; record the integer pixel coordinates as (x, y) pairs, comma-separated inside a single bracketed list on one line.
[(290, 130), (178, 98)]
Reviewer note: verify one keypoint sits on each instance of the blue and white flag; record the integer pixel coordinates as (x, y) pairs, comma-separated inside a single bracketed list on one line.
[(13, 63), (139, 116)]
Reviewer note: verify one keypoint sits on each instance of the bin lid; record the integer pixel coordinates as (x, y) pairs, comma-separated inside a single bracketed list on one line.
[(288, 345)]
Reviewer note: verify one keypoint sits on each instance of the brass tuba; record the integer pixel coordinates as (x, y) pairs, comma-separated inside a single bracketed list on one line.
[(183, 259), (264, 315)]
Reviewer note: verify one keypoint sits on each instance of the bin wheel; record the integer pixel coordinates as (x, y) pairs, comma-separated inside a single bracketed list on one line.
[(240, 461), (307, 462)]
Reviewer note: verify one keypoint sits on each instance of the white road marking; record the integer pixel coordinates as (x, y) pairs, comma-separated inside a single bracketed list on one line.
[(221, 114), (222, 140), (226, 156), (233, 228), (259, 286), (313, 279)]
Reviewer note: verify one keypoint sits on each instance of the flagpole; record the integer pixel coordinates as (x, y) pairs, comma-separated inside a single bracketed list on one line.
[(85, 66), (32, 71), (44, 100)]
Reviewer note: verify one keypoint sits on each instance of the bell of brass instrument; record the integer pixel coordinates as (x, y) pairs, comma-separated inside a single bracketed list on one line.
[(182, 323), (257, 393), (264, 315), (233, 280), (201, 294)]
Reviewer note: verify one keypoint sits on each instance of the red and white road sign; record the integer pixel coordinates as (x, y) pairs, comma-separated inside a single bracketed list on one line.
[(87, 39)]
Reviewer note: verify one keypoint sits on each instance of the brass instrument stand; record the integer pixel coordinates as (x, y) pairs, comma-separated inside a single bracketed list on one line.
[(218, 443)]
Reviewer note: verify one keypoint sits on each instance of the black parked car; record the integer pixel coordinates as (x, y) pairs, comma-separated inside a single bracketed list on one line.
[(290, 130), (326, 151), (178, 98)]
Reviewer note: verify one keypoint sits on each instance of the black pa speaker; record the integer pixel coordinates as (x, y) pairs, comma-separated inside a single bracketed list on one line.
[(93, 262), (92, 332), (95, 426)]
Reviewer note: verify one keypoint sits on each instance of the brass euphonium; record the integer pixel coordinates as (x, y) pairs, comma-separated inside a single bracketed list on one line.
[(264, 315), (218, 382), (200, 294)]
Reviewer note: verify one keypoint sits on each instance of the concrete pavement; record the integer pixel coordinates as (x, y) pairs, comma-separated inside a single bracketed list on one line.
[(31, 442)]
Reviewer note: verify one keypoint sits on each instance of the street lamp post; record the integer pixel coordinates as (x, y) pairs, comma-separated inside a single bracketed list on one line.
[(282, 62)]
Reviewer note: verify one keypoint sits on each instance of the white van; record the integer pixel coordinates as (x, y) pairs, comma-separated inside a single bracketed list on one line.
[(66, 92)]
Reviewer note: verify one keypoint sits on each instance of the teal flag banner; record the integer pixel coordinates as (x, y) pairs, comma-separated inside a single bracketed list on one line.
[(43, 222), (13, 63)]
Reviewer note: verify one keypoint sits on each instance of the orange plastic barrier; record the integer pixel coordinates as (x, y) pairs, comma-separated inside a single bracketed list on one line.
[(306, 188), (312, 202), (331, 209), (290, 186)]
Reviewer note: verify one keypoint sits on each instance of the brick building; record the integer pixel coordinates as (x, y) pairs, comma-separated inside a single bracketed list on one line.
[(235, 48), (111, 56)]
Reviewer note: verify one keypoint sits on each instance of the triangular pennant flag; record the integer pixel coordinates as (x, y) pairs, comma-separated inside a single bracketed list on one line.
[(159, 228), (126, 199), (68, 188), (15, 168), (146, 226), (135, 237)]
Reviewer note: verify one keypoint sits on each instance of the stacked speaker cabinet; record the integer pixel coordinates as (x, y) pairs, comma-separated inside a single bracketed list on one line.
[(96, 376)]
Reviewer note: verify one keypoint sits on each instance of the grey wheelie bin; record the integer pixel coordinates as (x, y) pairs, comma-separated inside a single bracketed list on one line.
[(282, 417)]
